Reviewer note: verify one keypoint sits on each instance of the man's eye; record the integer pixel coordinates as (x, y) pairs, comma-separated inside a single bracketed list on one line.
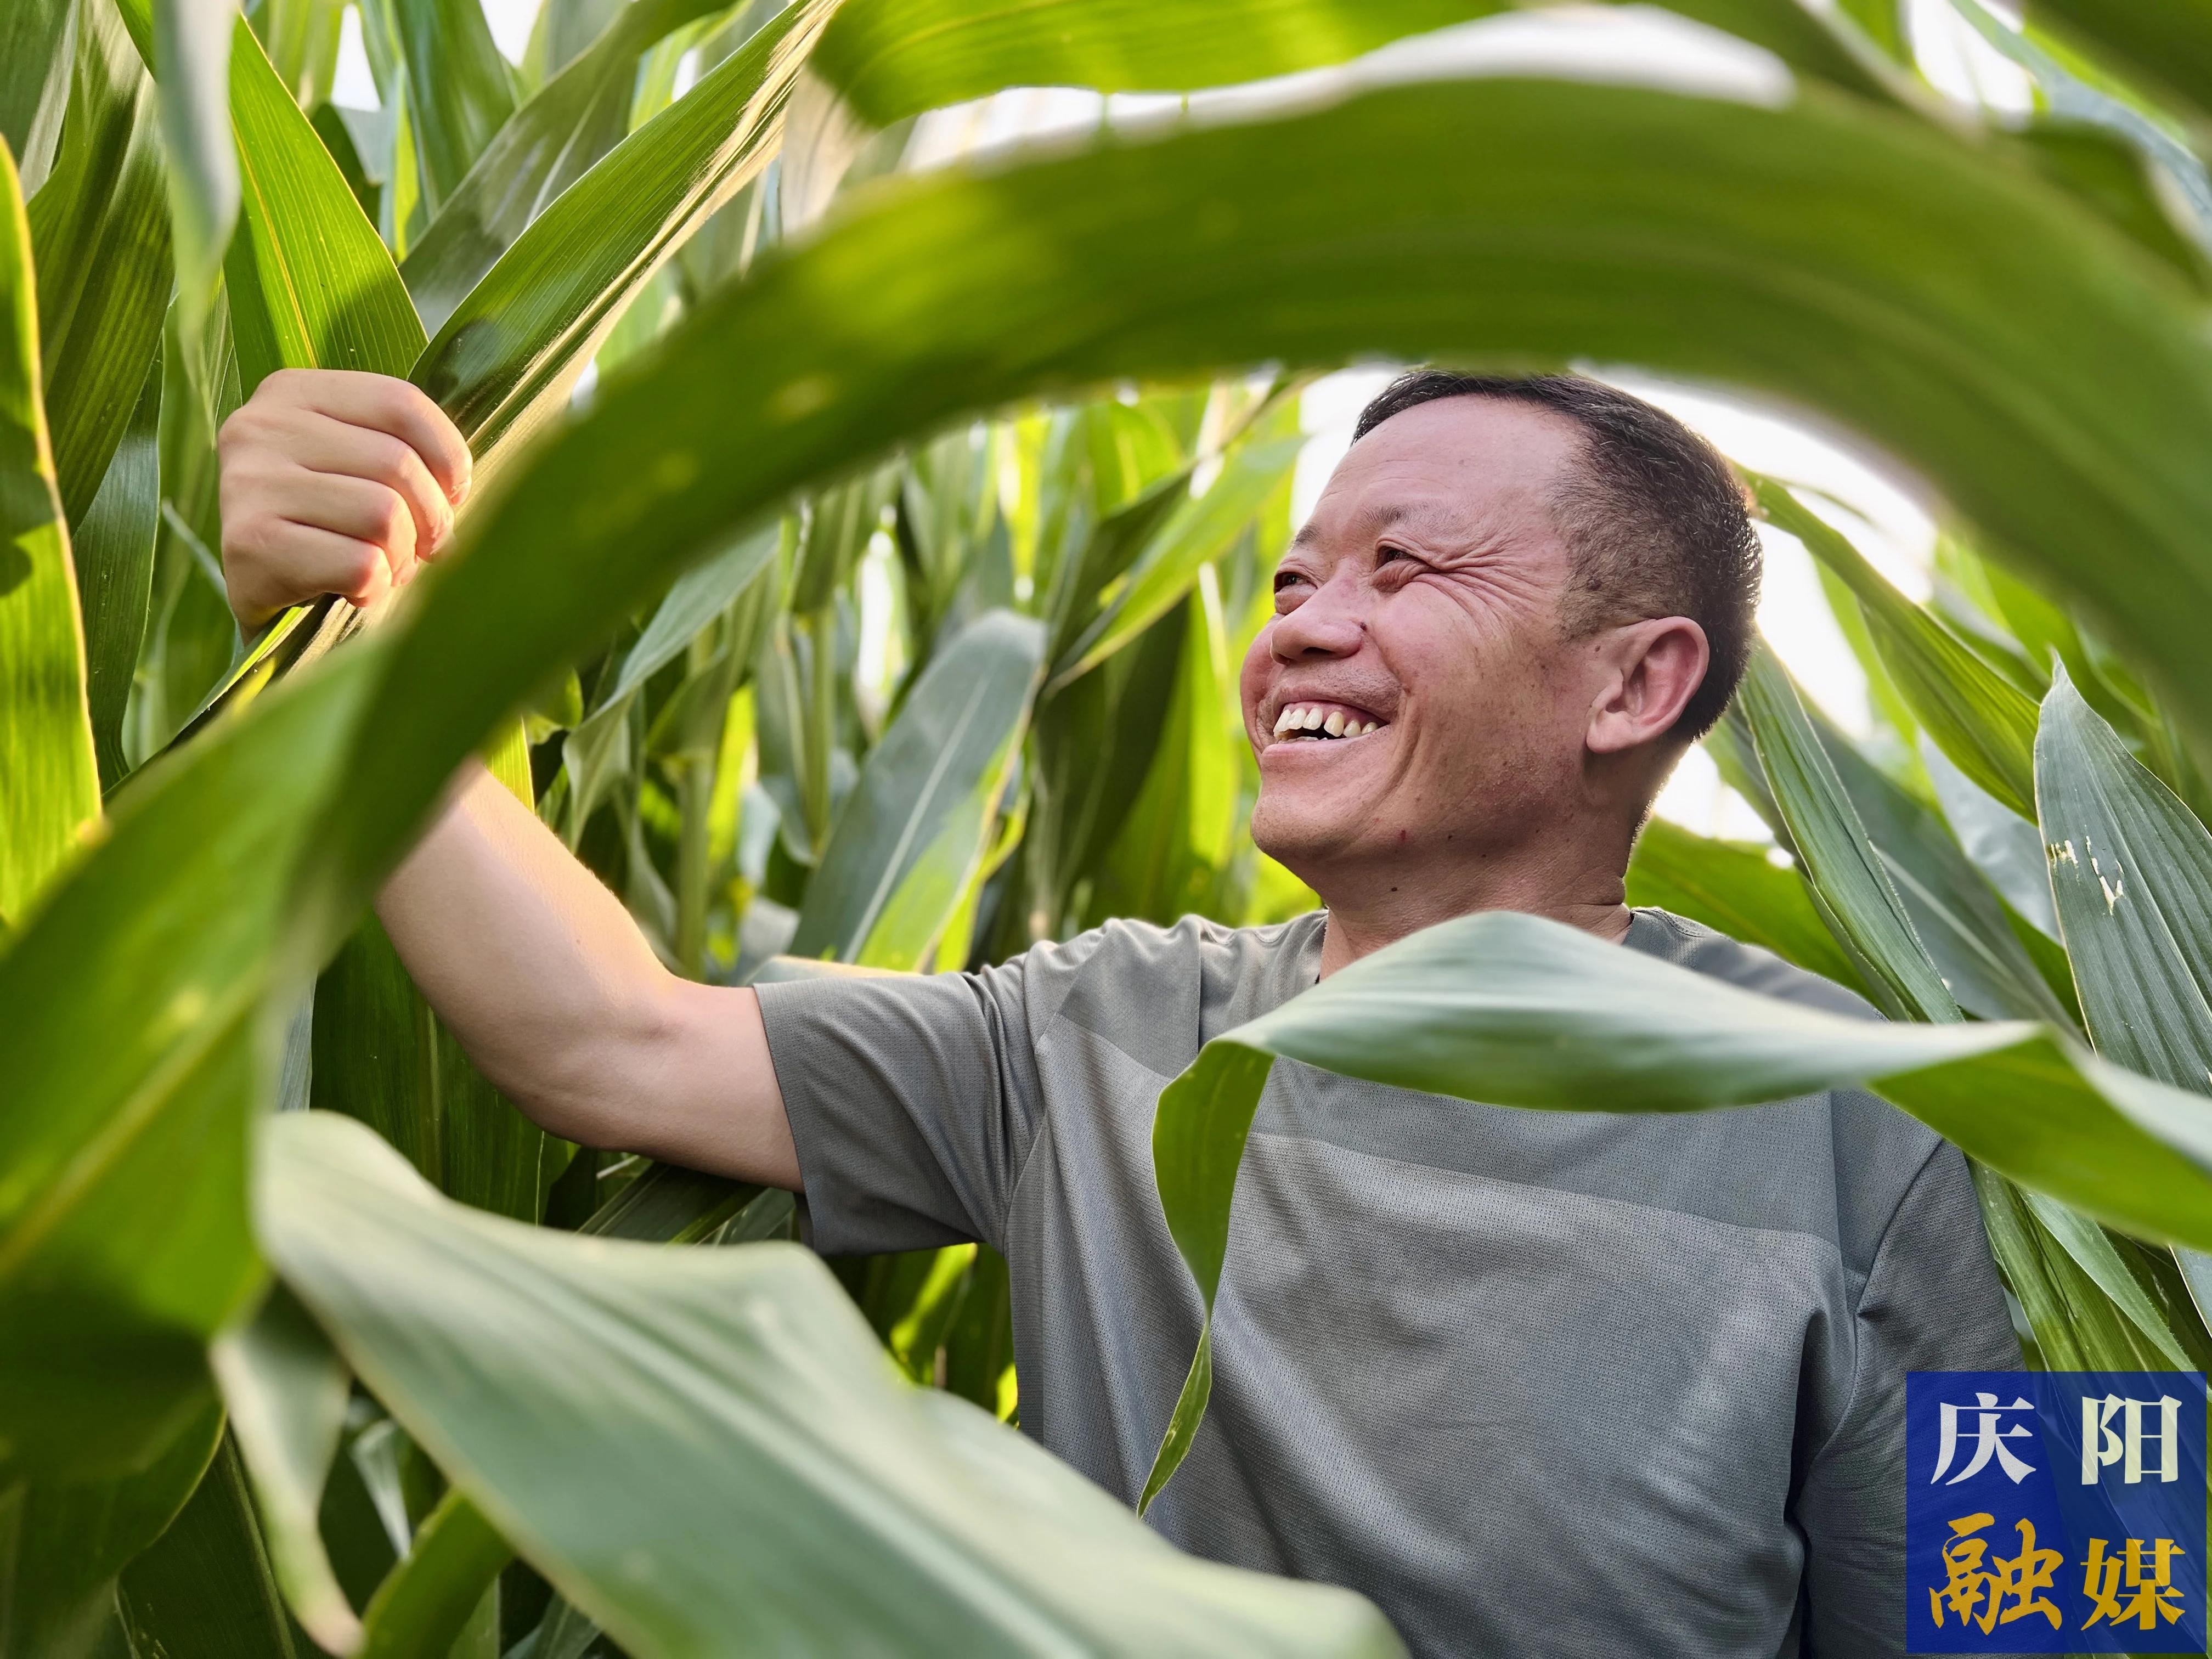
[(1286, 578)]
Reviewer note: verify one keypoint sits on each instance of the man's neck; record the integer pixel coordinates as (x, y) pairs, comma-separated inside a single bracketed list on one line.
[(1365, 913)]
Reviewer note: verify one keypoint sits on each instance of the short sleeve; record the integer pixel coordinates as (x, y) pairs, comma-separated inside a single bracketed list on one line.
[(1932, 1302), (913, 1100)]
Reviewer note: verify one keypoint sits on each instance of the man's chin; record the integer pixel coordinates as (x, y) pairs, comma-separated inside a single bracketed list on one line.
[(1305, 839)]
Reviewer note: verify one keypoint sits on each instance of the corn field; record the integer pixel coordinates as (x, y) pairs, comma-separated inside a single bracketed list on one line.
[(858, 567)]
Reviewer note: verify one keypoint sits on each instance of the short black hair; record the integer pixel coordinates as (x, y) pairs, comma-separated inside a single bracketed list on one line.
[(1654, 518)]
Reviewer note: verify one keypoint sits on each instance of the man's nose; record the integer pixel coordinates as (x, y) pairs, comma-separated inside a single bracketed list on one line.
[(1330, 624)]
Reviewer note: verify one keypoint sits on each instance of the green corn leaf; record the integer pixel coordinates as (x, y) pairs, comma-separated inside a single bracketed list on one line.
[(545, 147), (660, 448), (916, 827), (1198, 530), (1127, 525), (1982, 723), (2089, 1246), (2171, 45), (459, 89), (507, 356), (752, 1402), (695, 599), (2131, 873), (101, 219), (187, 44), (837, 532), (114, 553), (49, 781), (123, 1243), (1173, 850), (1517, 1010), (205, 1589), (2078, 1324), (36, 63), (2079, 105), (596, 748), (286, 1392), (426, 1604), (302, 39), (311, 285), (457, 1554), (2003, 846), (670, 1205), (563, 29), (888, 59), (1905, 903), (1096, 741), (62, 1542), (1847, 875), (1734, 887), (1955, 913)]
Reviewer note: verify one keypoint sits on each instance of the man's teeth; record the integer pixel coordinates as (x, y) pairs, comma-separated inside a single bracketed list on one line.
[(1312, 717)]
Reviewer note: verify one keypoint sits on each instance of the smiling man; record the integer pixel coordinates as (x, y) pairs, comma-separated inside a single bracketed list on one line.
[(1538, 1384)]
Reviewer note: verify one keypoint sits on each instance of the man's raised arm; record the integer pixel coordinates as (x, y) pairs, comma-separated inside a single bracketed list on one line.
[(341, 483)]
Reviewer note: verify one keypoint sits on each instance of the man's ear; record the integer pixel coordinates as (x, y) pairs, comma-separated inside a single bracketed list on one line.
[(1658, 666)]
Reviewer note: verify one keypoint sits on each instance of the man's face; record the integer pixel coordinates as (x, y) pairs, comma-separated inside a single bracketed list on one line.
[(1419, 612)]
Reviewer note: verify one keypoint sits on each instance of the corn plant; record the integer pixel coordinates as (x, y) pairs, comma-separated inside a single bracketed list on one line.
[(856, 575)]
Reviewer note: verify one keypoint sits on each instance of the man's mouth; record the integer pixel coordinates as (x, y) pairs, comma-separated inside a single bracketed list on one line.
[(1323, 723)]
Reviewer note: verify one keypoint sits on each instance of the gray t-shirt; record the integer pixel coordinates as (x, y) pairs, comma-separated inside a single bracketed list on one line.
[(1536, 1382)]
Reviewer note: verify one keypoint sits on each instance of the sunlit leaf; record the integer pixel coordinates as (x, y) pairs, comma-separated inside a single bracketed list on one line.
[(311, 285), (914, 828), (123, 1243), (49, 782), (459, 89), (546, 146), (892, 59), (1984, 724), (100, 219), (34, 82), (2131, 872), (506, 357), (187, 44), (1197, 532), (114, 553), (2172, 45), (1848, 878)]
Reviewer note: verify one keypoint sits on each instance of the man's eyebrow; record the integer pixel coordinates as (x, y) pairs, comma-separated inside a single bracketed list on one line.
[(1372, 523)]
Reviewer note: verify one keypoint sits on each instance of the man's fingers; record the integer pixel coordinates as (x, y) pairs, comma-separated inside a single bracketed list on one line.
[(311, 560), (356, 508), (332, 447), (386, 405), (396, 407), (333, 482)]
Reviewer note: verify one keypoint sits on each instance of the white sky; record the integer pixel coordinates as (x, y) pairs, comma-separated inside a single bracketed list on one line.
[(1886, 519)]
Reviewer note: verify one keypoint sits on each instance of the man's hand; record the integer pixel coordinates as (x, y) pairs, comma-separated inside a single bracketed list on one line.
[(334, 481), (342, 483)]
